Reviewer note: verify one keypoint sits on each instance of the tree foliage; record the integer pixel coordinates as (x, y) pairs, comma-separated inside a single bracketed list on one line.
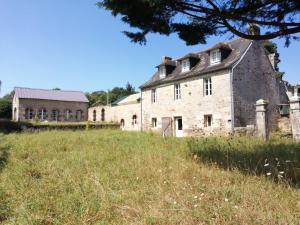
[(5, 109), (107, 97), (195, 20)]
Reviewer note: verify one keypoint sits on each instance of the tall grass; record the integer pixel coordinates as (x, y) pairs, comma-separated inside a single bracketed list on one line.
[(113, 177)]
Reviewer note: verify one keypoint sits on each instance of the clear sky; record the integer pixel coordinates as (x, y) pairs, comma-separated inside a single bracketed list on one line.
[(74, 45)]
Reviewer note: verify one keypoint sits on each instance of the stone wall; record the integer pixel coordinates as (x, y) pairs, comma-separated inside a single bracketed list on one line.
[(254, 78), (192, 106), (20, 105), (118, 113)]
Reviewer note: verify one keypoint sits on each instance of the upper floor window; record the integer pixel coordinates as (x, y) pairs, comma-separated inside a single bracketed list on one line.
[(177, 92), (207, 86), (185, 65), (215, 57), (153, 96), (162, 72)]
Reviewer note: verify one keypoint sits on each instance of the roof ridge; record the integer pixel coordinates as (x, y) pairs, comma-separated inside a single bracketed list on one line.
[(44, 89)]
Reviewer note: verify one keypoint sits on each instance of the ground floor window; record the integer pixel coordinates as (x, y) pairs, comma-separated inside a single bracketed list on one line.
[(207, 120), (29, 114), (154, 122), (79, 115), (42, 114), (68, 114), (103, 115), (134, 120), (122, 123), (55, 115), (298, 92), (95, 115)]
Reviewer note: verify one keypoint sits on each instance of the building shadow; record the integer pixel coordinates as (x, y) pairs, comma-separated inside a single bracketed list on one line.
[(278, 161)]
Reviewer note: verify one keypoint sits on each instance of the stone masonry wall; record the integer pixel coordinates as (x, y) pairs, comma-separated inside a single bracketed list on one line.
[(117, 113), (192, 106), (254, 79), (62, 106)]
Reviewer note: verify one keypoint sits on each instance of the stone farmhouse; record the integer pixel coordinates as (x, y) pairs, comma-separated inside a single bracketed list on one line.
[(125, 111), (209, 92), (49, 105)]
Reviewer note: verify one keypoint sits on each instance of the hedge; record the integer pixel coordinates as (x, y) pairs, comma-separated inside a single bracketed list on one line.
[(7, 126)]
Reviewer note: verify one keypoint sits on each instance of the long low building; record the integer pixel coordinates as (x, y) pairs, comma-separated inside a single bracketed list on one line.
[(125, 111), (49, 105)]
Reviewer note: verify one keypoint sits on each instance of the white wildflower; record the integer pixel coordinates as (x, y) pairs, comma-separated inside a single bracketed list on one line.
[(195, 206), (269, 174), (236, 207), (175, 202), (267, 164), (195, 197), (202, 194), (226, 199), (281, 172)]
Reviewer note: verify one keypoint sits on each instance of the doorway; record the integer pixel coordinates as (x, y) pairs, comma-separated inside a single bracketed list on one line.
[(178, 127)]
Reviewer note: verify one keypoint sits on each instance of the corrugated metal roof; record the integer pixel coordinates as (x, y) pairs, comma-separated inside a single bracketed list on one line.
[(46, 94)]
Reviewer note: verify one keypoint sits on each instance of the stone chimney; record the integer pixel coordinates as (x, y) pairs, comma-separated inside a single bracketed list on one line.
[(165, 59)]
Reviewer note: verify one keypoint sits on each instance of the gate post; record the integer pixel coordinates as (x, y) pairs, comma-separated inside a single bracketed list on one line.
[(262, 128), (295, 116)]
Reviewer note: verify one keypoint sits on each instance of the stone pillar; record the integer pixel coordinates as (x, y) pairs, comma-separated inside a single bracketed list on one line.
[(295, 116), (262, 128)]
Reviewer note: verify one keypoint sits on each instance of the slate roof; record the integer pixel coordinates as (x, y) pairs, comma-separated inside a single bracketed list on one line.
[(46, 94), (237, 46)]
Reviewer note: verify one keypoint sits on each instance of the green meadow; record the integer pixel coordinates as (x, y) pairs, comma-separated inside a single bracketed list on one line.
[(113, 177)]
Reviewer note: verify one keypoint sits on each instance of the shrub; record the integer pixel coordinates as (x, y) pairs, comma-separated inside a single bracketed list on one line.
[(5, 108)]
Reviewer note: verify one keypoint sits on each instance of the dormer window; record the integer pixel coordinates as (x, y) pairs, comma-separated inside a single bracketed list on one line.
[(185, 65), (215, 57), (162, 72)]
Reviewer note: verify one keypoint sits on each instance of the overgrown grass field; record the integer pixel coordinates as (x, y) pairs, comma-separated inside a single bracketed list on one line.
[(113, 177)]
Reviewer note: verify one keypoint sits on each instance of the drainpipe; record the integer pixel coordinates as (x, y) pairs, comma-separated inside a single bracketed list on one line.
[(231, 87)]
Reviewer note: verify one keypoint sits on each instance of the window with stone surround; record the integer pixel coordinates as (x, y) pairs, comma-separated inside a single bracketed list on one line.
[(79, 114), (134, 120), (207, 86), (103, 115), (215, 57), (28, 113), (55, 115), (94, 115), (68, 114), (207, 120), (153, 96), (42, 114), (177, 92), (154, 122)]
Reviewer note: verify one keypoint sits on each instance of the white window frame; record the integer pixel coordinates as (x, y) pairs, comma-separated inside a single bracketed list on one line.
[(154, 122), (68, 114), (29, 113), (215, 57), (54, 115), (207, 86), (208, 120), (42, 114), (153, 95), (162, 72), (185, 65), (177, 92)]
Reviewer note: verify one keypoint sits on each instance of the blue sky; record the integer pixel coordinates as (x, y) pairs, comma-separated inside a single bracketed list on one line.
[(74, 45)]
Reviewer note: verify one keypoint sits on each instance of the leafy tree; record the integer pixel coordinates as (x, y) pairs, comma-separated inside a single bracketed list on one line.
[(103, 97), (5, 109), (196, 20)]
